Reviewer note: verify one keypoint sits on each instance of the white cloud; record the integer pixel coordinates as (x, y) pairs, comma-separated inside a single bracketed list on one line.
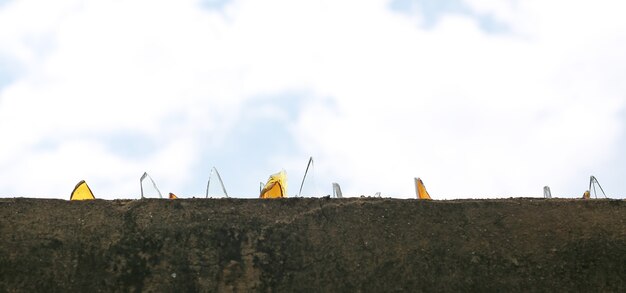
[(472, 113), (477, 114)]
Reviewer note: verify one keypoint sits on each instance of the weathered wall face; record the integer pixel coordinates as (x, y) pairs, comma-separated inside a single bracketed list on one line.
[(324, 245)]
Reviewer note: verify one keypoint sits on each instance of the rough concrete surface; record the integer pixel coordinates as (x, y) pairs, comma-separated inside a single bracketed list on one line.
[(312, 245)]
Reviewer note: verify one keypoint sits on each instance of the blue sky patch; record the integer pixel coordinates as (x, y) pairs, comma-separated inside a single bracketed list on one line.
[(431, 12), (491, 24), (263, 132), (7, 74), (212, 4), (129, 145), (4, 2)]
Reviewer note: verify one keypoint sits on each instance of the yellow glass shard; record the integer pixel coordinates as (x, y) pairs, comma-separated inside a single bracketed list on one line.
[(173, 196), (420, 189), (586, 195), (276, 186), (82, 192)]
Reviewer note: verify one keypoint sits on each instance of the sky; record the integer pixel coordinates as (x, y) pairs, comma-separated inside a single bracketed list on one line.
[(479, 98)]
